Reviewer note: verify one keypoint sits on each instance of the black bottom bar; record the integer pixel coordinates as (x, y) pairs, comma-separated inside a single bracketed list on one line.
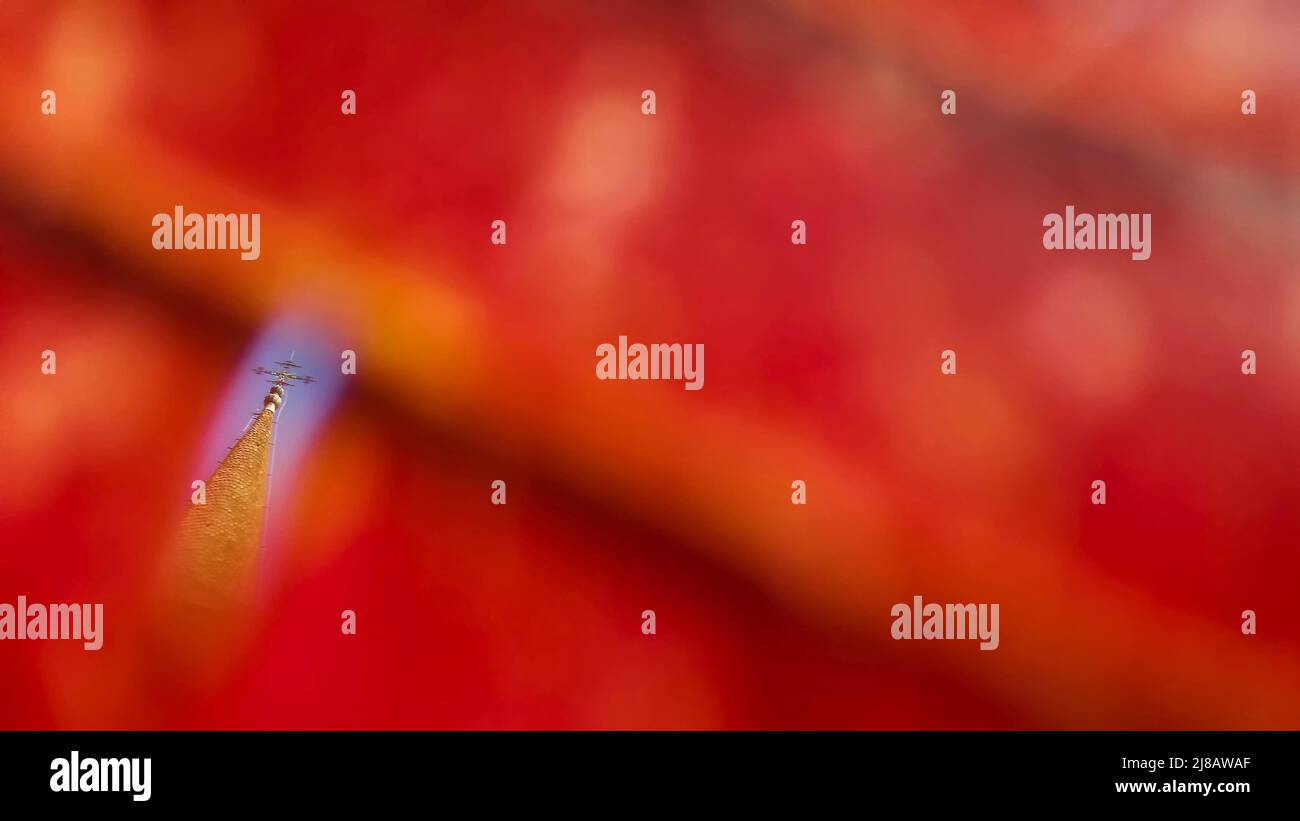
[(328, 770)]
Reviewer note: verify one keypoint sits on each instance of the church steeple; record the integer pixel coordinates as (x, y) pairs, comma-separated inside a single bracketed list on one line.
[(220, 539), (215, 564)]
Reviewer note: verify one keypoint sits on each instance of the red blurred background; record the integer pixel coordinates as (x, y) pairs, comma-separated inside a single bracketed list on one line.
[(476, 362)]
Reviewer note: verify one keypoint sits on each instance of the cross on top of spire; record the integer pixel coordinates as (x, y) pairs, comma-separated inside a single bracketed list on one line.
[(284, 374)]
